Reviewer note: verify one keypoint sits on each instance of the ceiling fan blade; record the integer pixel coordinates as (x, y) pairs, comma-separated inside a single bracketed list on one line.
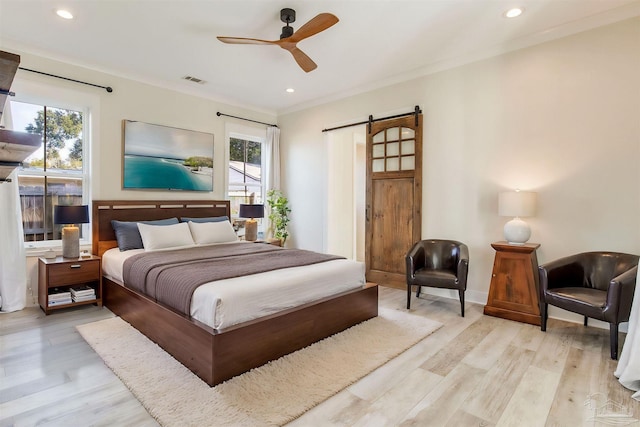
[(317, 24), (243, 40), (302, 59), (320, 23)]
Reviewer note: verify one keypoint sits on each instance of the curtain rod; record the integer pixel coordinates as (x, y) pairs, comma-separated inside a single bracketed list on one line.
[(107, 88), (415, 113), (242, 118)]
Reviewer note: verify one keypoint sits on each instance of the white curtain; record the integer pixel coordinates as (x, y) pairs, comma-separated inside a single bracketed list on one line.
[(13, 261), (272, 159), (271, 168), (628, 369)]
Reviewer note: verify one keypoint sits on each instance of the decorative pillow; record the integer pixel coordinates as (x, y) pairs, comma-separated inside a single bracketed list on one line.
[(207, 219), (127, 233), (205, 233), (156, 237)]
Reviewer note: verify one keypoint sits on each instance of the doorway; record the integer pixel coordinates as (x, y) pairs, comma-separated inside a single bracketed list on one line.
[(346, 188), (374, 195)]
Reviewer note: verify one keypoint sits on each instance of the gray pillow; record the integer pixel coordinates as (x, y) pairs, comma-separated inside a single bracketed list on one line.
[(207, 219), (128, 235)]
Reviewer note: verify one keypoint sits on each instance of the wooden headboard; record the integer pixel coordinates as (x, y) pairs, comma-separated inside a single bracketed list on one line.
[(103, 211)]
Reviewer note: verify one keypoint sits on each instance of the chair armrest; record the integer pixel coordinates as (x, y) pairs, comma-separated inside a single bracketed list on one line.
[(620, 294), (415, 259), (462, 269), (626, 279)]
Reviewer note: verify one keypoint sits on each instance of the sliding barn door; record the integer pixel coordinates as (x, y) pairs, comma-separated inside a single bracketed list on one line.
[(394, 197)]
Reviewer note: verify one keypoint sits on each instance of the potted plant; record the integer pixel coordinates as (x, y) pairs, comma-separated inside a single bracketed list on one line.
[(278, 214)]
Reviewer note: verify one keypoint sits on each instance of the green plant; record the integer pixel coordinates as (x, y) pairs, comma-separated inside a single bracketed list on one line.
[(278, 214)]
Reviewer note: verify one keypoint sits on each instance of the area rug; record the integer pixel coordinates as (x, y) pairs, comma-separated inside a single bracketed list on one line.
[(273, 394)]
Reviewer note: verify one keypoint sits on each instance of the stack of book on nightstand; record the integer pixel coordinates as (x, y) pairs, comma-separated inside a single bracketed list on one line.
[(83, 293), (59, 297)]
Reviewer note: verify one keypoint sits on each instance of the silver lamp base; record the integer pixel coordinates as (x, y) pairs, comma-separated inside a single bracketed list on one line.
[(251, 230), (70, 242)]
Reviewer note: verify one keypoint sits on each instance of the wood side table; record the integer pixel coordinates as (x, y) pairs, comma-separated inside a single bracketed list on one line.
[(513, 293), (59, 275)]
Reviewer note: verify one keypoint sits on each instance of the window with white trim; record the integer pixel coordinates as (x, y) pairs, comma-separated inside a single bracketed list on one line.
[(55, 174), (245, 172)]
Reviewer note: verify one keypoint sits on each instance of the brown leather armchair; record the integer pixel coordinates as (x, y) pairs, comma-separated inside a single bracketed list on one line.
[(599, 285), (438, 264)]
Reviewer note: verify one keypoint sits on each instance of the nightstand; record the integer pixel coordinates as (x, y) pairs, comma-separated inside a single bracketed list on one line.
[(513, 293), (69, 282)]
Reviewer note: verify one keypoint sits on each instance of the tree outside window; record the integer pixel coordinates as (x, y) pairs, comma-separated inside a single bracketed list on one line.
[(245, 173), (55, 173)]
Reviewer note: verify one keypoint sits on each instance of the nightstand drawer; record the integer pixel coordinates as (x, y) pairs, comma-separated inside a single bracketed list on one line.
[(73, 272)]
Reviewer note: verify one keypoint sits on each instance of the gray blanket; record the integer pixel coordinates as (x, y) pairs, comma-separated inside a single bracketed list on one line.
[(171, 277)]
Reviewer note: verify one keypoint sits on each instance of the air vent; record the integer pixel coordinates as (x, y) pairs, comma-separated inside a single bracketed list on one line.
[(194, 79)]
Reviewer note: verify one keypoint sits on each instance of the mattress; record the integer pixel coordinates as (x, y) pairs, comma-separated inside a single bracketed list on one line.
[(227, 302)]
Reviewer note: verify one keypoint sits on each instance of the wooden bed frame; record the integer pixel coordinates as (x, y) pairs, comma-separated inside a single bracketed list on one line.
[(218, 355)]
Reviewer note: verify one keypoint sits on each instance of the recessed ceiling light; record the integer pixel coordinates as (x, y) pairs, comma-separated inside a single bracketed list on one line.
[(64, 14), (291, 90), (512, 13)]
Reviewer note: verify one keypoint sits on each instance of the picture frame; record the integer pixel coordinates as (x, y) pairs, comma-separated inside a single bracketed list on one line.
[(157, 157)]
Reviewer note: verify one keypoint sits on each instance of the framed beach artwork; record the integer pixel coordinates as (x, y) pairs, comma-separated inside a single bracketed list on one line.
[(165, 158)]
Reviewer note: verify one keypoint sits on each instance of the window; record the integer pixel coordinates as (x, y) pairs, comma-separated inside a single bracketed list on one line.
[(245, 172), (56, 173)]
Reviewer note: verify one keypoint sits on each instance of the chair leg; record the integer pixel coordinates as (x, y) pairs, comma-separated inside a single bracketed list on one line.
[(408, 297), (543, 316), (418, 291), (586, 320), (613, 330), (461, 293)]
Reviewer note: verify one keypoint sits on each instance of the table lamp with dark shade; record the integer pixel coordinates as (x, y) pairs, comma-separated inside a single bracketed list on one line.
[(70, 216), (251, 226)]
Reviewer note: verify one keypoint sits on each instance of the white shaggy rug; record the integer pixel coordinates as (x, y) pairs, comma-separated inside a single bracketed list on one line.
[(273, 394)]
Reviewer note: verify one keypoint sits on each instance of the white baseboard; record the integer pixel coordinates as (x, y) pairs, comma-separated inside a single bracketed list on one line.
[(478, 297)]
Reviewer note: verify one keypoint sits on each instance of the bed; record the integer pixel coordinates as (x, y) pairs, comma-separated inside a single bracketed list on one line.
[(218, 354)]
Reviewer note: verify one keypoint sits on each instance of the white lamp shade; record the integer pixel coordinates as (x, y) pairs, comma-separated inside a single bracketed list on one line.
[(517, 203)]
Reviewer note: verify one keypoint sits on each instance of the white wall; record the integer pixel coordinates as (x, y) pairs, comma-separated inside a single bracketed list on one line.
[(135, 101), (560, 118)]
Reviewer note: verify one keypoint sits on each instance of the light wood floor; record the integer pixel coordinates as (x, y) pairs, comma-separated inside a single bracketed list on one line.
[(474, 371)]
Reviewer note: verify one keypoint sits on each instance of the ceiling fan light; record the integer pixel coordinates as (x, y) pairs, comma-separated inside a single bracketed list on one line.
[(287, 31), (290, 90), (514, 12)]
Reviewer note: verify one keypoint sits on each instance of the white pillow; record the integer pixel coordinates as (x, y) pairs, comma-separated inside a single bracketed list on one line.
[(156, 237), (206, 233)]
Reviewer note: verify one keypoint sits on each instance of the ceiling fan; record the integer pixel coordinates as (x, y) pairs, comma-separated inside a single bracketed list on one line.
[(289, 39)]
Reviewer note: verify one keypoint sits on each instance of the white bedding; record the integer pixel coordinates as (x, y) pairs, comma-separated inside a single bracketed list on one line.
[(224, 303)]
